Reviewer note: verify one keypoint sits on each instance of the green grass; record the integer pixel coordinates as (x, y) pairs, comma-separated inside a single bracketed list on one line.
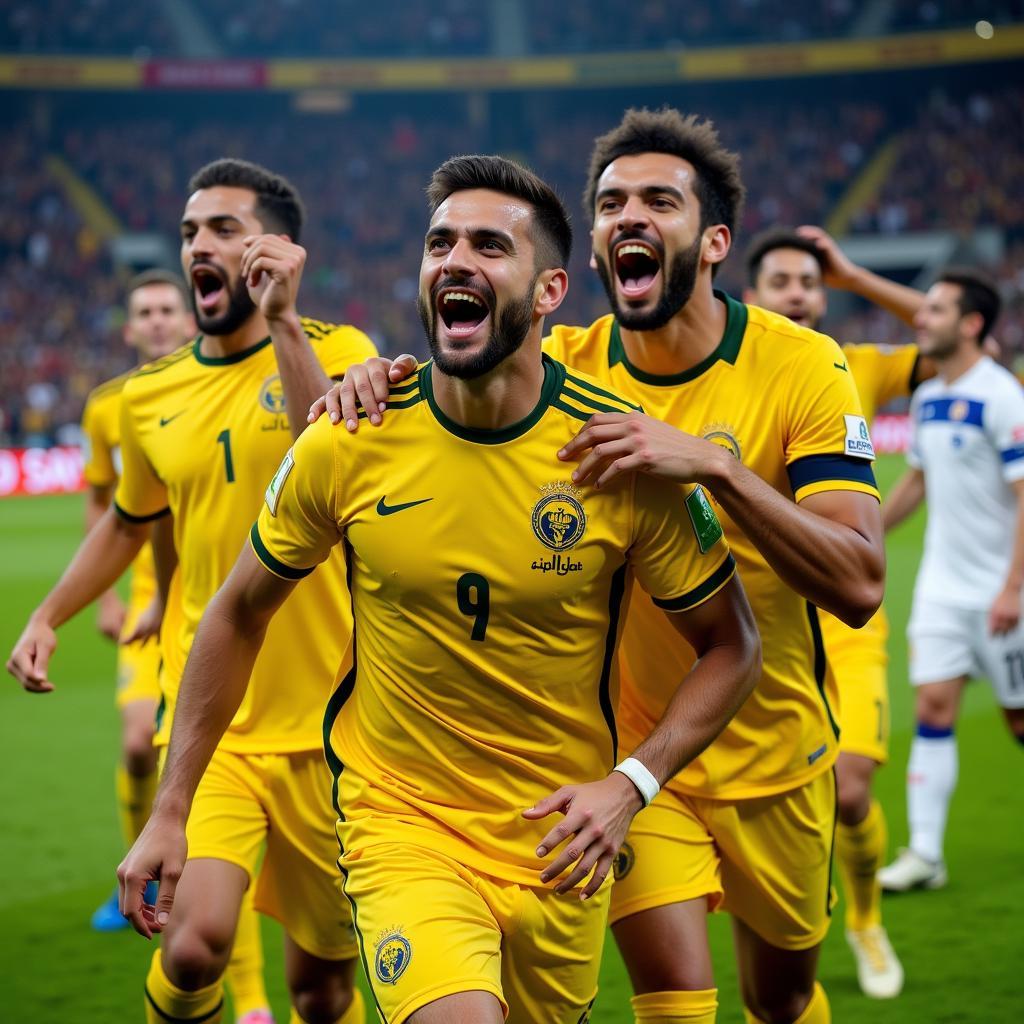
[(59, 844)]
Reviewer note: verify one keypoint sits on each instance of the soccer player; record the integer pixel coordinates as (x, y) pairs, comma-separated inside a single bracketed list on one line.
[(787, 272), (158, 321), (487, 593), (765, 415), (201, 430), (967, 459)]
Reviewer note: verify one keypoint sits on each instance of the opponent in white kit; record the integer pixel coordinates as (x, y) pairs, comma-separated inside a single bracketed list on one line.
[(967, 458)]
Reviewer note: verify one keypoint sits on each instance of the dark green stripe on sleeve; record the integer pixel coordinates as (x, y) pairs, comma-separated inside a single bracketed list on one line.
[(814, 469), (277, 567), (129, 518), (702, 592)]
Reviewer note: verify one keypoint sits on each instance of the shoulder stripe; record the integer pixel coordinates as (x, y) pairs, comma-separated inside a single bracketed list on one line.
[(317, 329), (582, 416), (585, 385), (592, 403), (274, 565), (703, 591), (405, 403), (110, 387), (403, 387), (165, 363)]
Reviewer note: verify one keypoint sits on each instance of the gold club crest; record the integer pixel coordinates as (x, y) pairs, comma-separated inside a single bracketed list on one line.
[(558, 517)]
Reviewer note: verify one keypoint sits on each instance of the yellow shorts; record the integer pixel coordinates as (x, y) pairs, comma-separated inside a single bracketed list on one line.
[(138, 666), (863, 701), (285, 800), (767, 861), (430, 927)]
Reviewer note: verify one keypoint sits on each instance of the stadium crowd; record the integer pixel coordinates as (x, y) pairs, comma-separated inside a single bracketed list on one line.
[(450, 28), (60, 296)]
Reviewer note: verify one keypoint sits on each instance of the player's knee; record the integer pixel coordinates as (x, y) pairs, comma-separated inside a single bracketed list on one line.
[(780, 1007), (854, 799), (322, 1001), (140, 757), (935, 710), (195, 957)]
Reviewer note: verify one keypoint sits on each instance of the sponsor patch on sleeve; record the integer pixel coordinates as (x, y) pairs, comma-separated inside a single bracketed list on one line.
[(858, 440), (273, 495), (706, 526)]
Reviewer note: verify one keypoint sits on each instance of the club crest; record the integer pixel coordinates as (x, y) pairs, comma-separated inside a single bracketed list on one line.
[(394, 951), (558, 517)]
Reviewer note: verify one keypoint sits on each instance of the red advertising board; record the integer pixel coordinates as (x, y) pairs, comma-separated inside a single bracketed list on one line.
[(40, 471)]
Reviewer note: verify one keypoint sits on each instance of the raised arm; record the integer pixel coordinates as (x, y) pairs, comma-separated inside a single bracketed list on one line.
[(98, 563), (216, 675)]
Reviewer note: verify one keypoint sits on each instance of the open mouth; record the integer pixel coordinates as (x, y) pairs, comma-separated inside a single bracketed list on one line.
[(636, 266), (462, 311), (208, 286)]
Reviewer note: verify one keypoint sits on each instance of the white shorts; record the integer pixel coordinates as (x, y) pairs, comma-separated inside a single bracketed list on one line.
[(947, 642)]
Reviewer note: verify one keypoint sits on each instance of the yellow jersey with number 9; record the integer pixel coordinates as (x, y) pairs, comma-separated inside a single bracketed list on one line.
[(781, 400), (200, 437), (488, 593)]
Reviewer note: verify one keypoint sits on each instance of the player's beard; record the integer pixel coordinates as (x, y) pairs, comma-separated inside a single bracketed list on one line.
[(240, 308), (680, 276), (509, 328), (939, 344)]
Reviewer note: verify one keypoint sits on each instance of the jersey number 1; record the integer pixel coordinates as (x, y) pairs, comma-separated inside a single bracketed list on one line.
[(224, 438), (474, 594)]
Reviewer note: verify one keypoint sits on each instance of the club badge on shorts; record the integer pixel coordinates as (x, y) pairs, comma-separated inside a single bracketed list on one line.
[(394, 951)]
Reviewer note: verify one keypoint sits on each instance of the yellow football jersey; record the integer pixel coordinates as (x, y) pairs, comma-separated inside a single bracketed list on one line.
[(488, 594), (780, 398), (200, 436), (882, 373), (101, 427)]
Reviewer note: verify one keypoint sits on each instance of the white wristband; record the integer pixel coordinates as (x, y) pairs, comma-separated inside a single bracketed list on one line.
[(638, 774)]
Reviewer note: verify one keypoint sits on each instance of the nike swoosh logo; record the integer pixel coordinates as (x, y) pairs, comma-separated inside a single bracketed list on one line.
[(841, 366), (384, 509), (164, 420)]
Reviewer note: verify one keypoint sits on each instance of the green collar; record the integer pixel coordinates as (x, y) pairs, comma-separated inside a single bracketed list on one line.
[(235, 357), (727, 350), (554, 377)]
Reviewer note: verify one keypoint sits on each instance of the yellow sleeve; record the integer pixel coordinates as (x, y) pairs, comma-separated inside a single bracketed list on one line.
[(141, 494), (100, 470), (297, 525), (679, 553), (884, 371), (825, 436), (344, 347)]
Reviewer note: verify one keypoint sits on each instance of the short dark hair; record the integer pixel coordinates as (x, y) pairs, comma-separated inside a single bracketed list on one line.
[(719, 187), (278, 205), (978, 294), (156, 275), (778, 238), (553, 238)]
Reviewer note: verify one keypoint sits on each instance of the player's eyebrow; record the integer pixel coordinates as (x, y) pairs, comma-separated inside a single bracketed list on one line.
[(216, 220), (647, 192), (474, 234)]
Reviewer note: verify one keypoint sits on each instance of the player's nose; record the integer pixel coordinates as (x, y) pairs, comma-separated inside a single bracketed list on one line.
[(458, 261)]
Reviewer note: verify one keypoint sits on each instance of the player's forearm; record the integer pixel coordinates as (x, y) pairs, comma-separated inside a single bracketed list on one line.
[(97, 501), (212, 687), (302, 377), (703, 704), (1015, 575), (903, 500), (898, 299), (829, 563), (165, 555), (102, 557)]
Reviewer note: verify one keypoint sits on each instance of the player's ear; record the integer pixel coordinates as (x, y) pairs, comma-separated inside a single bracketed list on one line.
[(715, 243), (550, 291)]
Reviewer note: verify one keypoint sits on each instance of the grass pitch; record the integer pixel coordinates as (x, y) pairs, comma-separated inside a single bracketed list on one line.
[(59, 842)]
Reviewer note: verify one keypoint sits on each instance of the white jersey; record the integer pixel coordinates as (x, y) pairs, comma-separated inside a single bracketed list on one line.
[(968, 438)]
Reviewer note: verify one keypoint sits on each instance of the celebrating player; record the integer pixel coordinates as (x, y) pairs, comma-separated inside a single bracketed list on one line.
[(201, 430), (788, 271), (774, 430), (487, 591), (158, 321), (967, 459)]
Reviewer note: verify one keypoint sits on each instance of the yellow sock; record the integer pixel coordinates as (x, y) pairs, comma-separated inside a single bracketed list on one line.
[(355, 1014), (166, 1002), (134, 802), (700, 1007), (817, 1011), (244, 974), (860, 851)]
